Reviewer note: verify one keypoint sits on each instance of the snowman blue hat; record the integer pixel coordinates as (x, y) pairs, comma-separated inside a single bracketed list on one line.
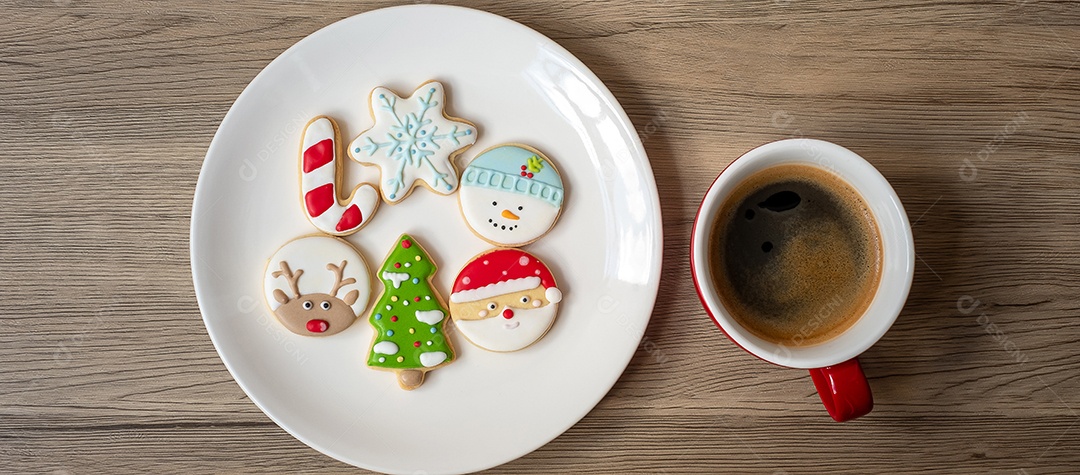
[(516, 169)]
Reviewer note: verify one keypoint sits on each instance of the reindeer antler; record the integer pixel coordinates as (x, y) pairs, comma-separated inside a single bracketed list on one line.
[(339, 283), (290, 276)]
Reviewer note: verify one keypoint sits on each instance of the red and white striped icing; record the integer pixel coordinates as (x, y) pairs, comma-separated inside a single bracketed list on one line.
[(320, 174)]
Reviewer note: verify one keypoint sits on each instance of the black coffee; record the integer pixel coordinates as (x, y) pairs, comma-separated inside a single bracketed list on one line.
[(796, 255)]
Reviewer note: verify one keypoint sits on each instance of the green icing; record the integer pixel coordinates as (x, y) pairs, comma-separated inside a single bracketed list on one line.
[(403, 260)]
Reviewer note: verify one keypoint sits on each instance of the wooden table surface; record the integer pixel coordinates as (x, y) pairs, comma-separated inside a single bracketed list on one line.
[(970, 109)]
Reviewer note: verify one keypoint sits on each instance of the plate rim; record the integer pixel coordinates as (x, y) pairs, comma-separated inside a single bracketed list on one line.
[(637, 154)]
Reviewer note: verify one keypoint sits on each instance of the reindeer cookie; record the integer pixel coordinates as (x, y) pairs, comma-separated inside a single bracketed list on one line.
[(317, 285)]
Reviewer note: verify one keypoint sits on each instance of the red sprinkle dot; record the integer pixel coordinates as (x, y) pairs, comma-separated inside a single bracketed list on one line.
[(406, 244), (523, 167), (523, 173), (416, 299), (397, 265), (530, 175), (416, 344), (393, 318)]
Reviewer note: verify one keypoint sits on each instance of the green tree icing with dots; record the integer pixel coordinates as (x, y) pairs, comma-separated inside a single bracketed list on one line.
[(409, 316)]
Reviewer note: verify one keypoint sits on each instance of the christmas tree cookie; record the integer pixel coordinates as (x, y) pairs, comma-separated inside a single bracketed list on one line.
[(409, 316)]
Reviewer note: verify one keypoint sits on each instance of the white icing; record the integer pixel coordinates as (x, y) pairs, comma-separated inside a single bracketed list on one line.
[(396, 277), (496, 333), (483, 313), (364, 196), (524, 261), (553, 294), (385, 348), (311, 254), (534, 219), (495, 289), (429, 317), (432, 358), (420, 153)]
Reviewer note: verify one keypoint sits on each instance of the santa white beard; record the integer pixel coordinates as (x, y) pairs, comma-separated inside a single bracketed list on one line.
[(502, 334)]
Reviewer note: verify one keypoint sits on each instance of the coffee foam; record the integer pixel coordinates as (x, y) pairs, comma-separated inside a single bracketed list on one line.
[(821, 265)]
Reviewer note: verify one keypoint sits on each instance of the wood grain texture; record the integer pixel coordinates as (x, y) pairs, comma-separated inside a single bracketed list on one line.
[(970, 109)]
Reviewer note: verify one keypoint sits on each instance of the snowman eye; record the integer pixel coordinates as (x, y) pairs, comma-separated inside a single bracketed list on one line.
[(325, 305), (308, 305), (493, 203), (525, 299), (520, 208), (492, 306)]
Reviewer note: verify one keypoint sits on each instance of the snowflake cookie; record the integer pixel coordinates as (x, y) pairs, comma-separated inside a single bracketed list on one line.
[(413, 140)]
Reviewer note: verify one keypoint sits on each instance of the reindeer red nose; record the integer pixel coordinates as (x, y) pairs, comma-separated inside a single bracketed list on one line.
[(317, 326), (508, 314)]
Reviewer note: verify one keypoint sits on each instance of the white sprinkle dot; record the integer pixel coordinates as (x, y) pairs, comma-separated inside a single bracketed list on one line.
[(465, 280), (523, 261)]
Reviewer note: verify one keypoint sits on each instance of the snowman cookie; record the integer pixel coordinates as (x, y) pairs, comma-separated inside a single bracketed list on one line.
[(511, 195), (413, 141), (504, 300), (317, 285)]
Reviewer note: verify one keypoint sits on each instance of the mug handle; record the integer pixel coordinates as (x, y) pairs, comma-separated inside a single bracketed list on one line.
[(843, 390)]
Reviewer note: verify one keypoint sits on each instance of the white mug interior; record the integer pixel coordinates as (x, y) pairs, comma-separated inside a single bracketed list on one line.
[(898, 251)]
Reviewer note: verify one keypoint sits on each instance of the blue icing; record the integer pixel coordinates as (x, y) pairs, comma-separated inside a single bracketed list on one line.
[(500, 168)]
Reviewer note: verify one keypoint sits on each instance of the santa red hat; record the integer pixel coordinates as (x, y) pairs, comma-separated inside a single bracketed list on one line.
[(501, 272)]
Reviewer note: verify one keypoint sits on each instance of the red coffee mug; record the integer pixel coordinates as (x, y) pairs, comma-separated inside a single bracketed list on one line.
[(833, 364)]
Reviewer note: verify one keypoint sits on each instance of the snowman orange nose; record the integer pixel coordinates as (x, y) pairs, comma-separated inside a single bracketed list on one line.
[(508, 215)]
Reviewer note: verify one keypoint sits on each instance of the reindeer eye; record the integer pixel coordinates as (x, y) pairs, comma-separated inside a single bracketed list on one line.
[(492, 306), (494, 203), (307, 305), (525, 299), (325, 305)]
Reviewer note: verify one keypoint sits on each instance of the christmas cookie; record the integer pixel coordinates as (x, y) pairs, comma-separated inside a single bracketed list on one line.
[(320, 180), (504, 300), (413, 140), (511, 195), (317, 285), (409, 317)]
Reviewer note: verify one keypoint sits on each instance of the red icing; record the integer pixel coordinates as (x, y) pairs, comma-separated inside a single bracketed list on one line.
[(406, 244), (351, 219), (508, 314), (317, 326), (523, 167), (499, 261), (397, 265), (318, 155), (393, 318), (523, 173), (416, 344), (530, 175), (320, 199), (416, 299)]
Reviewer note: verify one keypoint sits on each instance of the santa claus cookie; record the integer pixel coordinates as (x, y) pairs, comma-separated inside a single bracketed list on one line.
[(413, 141), (409, 317), (511, 195), (504, 300), (317, 285)]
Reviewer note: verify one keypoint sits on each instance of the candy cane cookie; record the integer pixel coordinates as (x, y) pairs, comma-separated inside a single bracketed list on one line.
[(320, 176)]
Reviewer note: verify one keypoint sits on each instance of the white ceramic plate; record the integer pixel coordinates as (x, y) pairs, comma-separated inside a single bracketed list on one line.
[(486, 408)]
